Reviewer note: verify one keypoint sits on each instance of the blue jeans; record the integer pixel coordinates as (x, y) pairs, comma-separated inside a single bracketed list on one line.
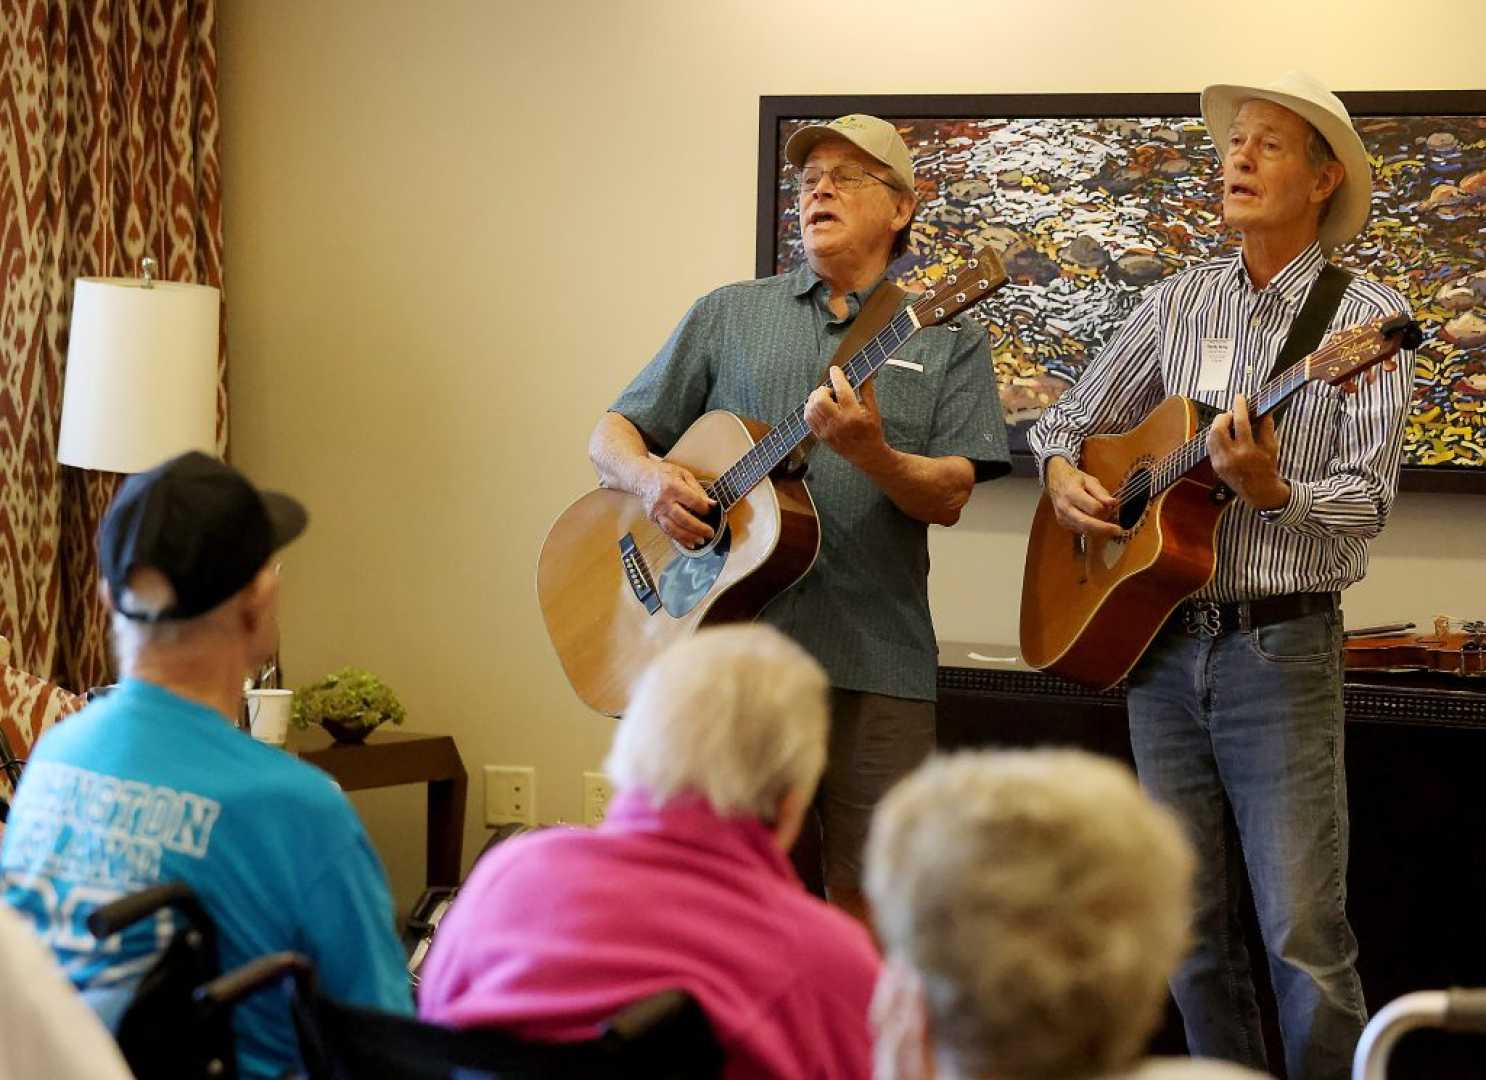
[(1254, 721)]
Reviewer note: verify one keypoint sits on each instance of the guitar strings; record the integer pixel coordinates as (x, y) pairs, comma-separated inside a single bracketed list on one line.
[(859, 367), (856, 375), (1280, 388)]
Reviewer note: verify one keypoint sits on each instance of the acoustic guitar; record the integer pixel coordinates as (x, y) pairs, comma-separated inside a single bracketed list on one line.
[(1091, 605), (615, 590)]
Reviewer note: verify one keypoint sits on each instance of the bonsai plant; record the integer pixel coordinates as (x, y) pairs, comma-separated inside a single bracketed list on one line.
[(349, 703)]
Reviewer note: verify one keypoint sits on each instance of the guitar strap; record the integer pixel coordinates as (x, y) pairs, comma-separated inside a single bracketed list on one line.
[(1315, 316), (875, 314)]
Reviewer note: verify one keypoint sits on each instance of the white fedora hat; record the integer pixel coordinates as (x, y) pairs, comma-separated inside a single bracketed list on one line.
[(1303, 95)]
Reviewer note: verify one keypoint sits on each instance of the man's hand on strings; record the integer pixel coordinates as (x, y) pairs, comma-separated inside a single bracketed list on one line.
[(1079, 500), (675, 501), (849, 422), (1246, 457)]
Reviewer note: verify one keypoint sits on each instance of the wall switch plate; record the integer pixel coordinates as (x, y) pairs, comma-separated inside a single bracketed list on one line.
[(596, 794), (510, 795)]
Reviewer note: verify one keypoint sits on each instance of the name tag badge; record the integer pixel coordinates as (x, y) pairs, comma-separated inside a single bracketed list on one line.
[(1217, 364)]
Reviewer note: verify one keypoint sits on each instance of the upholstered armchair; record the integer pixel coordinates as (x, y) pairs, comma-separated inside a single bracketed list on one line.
[(28, 706)]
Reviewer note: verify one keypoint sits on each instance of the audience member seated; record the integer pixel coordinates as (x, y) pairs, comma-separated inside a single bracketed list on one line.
[(45, 1029), (1031, 906), (153, 782), (686, 884)]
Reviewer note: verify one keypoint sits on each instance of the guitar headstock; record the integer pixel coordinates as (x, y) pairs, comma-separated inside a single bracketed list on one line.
[(1355, 350), (974, 280)]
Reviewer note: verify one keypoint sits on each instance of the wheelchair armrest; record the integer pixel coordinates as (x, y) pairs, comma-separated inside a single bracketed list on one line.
[(253, 976), (649, 1015), (128, 910)]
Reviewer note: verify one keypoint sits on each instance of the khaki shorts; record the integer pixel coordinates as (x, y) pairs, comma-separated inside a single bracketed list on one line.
[(875, 742)]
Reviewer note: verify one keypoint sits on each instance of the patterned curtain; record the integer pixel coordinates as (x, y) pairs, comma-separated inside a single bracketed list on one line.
[(108, 153)]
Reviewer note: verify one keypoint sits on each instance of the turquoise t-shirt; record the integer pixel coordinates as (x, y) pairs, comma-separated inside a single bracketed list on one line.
[(144, 787)]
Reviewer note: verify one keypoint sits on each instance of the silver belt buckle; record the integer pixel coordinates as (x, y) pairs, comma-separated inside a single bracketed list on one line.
[(1202, 618)]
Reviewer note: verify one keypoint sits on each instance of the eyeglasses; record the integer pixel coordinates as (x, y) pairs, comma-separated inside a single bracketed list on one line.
[(848, 177)]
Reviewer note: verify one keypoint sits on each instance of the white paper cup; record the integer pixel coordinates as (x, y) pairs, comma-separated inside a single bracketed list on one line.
[(268, 714)]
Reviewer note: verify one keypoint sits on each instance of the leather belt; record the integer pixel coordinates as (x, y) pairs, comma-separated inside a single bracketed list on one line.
[(1207, 618)]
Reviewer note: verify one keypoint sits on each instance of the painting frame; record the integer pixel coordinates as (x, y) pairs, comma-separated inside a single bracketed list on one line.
[(777, 114)]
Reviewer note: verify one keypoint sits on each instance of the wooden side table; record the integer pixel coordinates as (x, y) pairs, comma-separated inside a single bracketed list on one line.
[(391, 757)]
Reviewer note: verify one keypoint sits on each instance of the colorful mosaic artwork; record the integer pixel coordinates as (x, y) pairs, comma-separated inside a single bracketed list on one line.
[(1088, 212)]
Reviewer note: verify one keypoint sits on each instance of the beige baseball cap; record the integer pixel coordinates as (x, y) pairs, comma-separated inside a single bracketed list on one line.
[(1304, 95), (871, 134)]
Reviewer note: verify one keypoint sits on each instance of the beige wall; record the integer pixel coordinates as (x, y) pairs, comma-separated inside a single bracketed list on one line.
[(454, 229)]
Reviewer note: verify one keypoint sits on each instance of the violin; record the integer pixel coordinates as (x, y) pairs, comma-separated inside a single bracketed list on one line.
[(1455, 650)]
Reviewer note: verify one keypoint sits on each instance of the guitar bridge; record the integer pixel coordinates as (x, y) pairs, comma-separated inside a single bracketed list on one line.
[(637, 573)]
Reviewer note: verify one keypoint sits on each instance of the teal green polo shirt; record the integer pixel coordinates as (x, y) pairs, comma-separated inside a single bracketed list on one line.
[(757, 348)]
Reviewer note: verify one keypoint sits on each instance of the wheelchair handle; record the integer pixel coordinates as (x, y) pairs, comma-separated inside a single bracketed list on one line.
[(127, 910), (231, 988)]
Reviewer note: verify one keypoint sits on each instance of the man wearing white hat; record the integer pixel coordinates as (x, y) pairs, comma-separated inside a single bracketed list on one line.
[(1237, 703), (900, 456)]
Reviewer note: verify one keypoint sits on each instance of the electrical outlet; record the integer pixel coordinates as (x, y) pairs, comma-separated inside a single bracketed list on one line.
[(597, 792), (510, 795)]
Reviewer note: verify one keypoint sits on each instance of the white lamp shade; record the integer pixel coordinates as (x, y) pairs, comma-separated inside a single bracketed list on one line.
[(141, 374)]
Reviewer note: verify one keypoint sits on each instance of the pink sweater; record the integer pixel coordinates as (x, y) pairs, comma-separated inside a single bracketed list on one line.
[(556, 931)]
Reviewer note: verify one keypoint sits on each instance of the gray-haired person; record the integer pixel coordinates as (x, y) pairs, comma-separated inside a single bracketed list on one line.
[(902, 455), (685, 884), (1030, 905)]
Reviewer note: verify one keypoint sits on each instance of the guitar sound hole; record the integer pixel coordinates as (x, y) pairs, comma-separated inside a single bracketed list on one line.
[(1135, 497)]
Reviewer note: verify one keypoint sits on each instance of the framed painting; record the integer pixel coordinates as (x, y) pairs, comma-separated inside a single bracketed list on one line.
[(1092, 198)]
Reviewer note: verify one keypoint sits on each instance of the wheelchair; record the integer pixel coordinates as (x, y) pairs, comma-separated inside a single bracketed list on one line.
[(160, 1033), (663, 1037)]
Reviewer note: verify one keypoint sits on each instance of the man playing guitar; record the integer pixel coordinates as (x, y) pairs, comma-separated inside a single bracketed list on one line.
[(1237, 703), (883, 473)]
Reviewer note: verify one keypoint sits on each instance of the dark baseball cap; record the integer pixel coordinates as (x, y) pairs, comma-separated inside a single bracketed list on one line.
[(199, 522)]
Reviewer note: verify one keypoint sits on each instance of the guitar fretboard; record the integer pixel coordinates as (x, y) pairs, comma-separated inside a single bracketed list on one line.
[(782, 439), (1193, 452)]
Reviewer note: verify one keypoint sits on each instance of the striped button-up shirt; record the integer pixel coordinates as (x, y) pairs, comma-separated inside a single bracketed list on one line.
[(1339, 452)]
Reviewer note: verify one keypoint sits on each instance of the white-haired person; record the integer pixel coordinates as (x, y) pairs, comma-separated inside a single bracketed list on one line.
[(153, 783), (1031, 906), (686, 884)]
